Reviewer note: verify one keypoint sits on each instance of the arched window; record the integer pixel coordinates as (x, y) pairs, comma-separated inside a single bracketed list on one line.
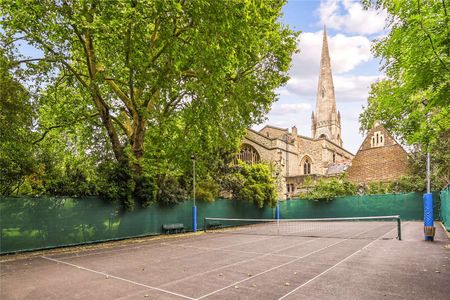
[(377, 140), (334, 157), (248, 155), (323, 136), (306, 163)]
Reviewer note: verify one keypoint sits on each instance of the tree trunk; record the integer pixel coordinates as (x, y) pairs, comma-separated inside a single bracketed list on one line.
[(138, 145)]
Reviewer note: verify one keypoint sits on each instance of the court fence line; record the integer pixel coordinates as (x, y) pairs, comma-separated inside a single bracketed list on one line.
[(35, 223)]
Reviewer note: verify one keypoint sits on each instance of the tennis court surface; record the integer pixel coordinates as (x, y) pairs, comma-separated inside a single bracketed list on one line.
[(257, 260)]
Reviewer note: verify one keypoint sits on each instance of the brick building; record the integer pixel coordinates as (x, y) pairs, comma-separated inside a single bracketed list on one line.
[(379, 159)]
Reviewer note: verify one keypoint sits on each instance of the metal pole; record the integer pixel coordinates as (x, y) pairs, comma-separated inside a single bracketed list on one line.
[(277, 215), (194, 208), (194, 181), (428, 214), (399, 229), (428, 172)]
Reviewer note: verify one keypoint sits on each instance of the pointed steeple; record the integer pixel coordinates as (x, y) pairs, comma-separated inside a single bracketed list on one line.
[(326, 123)]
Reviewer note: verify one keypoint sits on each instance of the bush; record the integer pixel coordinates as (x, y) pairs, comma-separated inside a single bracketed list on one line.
[(207, 190), (253, 183), (330, 188)]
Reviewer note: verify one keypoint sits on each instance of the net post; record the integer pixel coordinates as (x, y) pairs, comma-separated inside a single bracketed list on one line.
[(277, 215), (204, 224), (399, 229)]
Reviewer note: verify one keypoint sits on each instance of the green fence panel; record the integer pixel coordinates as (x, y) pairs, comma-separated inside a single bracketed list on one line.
[(37, 223), (47, 222), (408, 206), (445, 207)]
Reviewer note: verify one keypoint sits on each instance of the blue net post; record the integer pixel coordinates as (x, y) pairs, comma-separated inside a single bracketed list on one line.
[(428, 221), (194, 218), (277, 211)]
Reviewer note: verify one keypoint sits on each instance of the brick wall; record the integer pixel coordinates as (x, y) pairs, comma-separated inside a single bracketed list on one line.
[(384, 161)]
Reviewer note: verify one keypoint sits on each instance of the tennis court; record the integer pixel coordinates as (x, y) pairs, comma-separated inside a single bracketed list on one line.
[(246, 260)]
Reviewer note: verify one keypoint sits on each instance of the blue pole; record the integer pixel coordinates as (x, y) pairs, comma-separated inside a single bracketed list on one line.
[(194, 218), (277, 211), (428, 221)]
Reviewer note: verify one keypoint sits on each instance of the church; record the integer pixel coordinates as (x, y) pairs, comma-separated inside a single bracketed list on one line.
[(295, 157)]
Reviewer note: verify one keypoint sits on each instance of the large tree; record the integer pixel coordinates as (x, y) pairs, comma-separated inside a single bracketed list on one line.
[(416, 60), (156, 74), (413, 100)]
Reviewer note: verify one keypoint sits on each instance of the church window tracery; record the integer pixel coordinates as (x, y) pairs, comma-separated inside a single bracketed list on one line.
[(306, 163), (248, 155)]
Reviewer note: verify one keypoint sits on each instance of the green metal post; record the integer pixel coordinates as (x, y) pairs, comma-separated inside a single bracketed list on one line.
[(399, 229)]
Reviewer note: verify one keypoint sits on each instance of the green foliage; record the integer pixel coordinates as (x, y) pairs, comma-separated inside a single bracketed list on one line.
[(16, 121), (207, 190), (330, 188), (410, 183), (253, 183), (147, 83), (172, 190), (416, 56), (380, 188), (116, 185)]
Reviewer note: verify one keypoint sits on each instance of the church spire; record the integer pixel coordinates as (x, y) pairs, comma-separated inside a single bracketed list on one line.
[(326, 123)]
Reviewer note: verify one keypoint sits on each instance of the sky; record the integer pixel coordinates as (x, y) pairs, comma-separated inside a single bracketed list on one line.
[(351, 30)]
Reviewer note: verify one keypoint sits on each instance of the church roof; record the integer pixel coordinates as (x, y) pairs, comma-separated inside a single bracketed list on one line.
[(338, 168), (274, 127)]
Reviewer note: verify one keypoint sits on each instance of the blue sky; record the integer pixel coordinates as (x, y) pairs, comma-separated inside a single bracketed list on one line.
[(350, 30)]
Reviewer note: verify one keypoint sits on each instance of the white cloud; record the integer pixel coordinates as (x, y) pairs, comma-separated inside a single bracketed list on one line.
[(353, 88), (350, 16), (346, 52), (289, 108)]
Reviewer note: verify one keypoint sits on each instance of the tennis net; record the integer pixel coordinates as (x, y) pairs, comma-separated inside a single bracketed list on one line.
[(386, 227)]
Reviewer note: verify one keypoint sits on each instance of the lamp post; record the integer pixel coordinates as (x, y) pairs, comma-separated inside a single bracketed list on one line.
[(428, 218), (194, 208)]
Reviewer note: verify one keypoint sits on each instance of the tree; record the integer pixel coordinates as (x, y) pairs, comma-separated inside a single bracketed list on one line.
[(164, 78), (416, 56), (16, 122), (330, 188), (253, 183)]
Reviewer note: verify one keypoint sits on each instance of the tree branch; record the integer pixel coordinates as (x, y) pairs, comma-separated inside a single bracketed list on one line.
[(61, 126), (430, 39)]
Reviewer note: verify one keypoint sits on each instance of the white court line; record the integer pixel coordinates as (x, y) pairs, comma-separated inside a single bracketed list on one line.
[(119, 278), (240, 262), (142, 245), (247, 260), (226, 250), (337, 264), (285, 264), (220, 248)]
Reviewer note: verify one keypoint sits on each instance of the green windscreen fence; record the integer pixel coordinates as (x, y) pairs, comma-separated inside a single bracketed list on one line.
[(445, 207), (46, 222)]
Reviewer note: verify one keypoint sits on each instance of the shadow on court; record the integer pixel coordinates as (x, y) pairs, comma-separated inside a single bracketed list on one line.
[(243, 266)]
